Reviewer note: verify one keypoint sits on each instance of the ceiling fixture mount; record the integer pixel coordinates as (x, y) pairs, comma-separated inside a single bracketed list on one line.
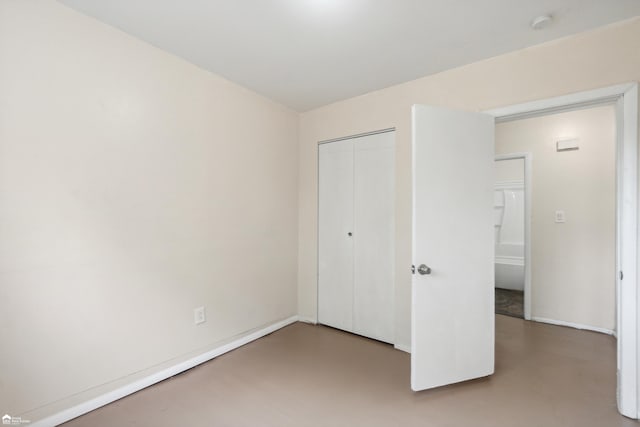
[(541, 22)]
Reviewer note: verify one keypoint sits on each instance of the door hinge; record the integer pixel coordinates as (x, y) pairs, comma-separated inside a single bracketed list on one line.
[(413, 269), (621, 275)]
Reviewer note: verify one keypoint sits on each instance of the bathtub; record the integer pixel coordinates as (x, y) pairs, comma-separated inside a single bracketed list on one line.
[(509, 266)]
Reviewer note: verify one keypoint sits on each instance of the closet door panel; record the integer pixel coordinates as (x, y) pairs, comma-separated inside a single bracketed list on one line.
[(374, 236), (335, 246)]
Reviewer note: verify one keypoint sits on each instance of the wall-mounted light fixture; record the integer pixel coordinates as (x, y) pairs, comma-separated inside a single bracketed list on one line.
[(568, 144)]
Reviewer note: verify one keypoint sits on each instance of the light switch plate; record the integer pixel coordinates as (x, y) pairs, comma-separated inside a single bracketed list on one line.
[(199, 315), (560, 217)]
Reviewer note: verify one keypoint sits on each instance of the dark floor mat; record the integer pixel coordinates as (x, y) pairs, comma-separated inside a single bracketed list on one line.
[(510, 303)]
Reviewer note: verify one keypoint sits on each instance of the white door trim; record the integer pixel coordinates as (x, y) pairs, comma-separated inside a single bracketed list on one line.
[(627, 299), (527, 157), (562, 103)]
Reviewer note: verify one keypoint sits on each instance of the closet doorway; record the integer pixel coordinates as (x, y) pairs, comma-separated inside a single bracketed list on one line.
[(356, 234)]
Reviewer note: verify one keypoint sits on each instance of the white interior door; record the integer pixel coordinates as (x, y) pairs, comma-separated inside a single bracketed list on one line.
[(335, 246), (453, 304), (374, 236)]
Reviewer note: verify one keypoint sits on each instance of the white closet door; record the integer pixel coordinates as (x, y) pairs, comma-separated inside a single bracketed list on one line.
[(374, 236), (335, 246)]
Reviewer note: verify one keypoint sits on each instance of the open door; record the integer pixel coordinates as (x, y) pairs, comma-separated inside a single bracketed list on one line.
[(452, 320)]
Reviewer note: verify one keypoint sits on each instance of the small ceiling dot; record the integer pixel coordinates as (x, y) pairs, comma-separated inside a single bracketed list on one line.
[(542, 21)]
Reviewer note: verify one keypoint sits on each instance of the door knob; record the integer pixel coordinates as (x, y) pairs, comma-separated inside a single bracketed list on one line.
[(423, 269)]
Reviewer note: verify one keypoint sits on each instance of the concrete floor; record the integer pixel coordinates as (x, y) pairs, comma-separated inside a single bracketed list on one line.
[(306, 375)]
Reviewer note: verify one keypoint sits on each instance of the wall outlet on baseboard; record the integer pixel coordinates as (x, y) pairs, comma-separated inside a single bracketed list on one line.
[(199, 315)]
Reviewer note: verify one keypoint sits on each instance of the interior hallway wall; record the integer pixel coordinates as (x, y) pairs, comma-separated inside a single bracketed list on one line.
[(134, 187), (590, 60), (573, 263)]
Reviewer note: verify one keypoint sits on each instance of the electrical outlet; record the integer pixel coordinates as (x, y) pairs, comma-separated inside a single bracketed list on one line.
[(199, 315)]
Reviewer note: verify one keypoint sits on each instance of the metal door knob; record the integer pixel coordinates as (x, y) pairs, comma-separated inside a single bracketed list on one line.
[(423, 269)]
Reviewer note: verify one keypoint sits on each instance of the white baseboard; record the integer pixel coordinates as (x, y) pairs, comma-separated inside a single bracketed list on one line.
[(402, 347), (106, 398), (306, 319), (574, 325)]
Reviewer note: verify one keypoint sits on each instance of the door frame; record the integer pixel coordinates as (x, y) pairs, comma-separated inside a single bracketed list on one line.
[(625, 97), (528, 164)]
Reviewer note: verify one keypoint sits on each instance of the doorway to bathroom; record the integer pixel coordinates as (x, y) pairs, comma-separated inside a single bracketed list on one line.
[(512, 228)]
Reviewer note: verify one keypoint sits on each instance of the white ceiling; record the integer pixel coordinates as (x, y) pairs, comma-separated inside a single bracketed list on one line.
[(308, 53)]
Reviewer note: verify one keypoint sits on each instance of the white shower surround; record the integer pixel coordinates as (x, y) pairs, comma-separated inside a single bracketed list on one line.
[(509, 244)]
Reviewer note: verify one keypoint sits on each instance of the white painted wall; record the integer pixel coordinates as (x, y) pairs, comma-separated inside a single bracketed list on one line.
[(134, 187), (573, 263), (589, 60)]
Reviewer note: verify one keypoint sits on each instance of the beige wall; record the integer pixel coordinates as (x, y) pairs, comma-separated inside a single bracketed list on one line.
[(509, 170), (133, 187), (573, 263), (590, 60)]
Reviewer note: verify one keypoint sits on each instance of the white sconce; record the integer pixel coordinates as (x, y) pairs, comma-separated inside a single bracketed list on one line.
[(568, 144)]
